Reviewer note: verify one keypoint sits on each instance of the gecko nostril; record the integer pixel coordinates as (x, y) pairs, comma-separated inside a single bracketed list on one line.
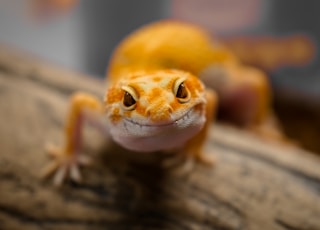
[(166, 110)]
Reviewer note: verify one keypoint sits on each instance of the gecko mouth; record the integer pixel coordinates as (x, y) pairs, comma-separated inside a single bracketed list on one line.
[(143, 136), (193, 113)]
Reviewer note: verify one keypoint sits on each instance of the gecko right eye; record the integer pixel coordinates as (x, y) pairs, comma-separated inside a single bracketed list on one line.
[(128, 100)]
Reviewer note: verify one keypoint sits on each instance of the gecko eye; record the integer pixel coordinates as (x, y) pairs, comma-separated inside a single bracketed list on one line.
[(130, 97), (181, 92), (128, 100)]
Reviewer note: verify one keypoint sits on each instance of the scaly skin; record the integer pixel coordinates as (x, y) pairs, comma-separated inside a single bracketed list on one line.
[(168, 44), (155, 100)]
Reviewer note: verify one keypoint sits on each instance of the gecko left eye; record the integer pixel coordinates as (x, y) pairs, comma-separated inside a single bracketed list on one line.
[(181, 92)]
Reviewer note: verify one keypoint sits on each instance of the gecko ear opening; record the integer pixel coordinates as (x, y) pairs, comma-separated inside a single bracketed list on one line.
[(181, 91)]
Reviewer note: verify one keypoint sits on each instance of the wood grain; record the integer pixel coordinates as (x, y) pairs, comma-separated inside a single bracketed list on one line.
[(254, 185)]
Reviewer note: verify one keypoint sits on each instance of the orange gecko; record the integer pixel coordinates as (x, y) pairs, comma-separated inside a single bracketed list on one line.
[(155, 100)]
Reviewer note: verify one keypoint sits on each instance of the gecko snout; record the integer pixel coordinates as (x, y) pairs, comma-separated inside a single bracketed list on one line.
[(159, 113)]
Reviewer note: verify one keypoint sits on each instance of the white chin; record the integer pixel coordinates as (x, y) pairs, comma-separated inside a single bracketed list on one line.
[(147, 138)]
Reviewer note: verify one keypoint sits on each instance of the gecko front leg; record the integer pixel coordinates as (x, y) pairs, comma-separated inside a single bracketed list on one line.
[(194, 147), (68, 158)]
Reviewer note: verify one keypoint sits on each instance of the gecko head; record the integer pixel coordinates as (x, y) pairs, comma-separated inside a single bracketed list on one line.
[(155, 110)]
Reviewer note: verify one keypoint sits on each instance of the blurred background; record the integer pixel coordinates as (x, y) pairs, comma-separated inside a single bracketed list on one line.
[(280, 37)]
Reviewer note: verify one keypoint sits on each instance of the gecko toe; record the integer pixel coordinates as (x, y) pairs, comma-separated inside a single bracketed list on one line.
[(75, 174), (59, 176), (64, 165)]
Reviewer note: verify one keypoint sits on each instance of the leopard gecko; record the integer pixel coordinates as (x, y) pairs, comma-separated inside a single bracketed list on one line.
[(156, 99)]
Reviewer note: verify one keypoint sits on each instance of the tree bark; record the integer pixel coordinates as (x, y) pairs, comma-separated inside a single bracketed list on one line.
[(254, 184)]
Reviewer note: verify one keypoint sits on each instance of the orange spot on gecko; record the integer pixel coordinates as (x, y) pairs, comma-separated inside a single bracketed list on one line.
[(157, 79), (116, 111), (141, 109), (127, 114), (114, 95), (155, 93), (194, 86), (115, 117)]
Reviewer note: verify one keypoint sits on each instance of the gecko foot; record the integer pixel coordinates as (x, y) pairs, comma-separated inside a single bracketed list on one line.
[(64, 165), (184, 163), (179, 163)]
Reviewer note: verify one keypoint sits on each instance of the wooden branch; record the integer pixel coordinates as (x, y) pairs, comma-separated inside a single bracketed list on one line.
[(254, 185)]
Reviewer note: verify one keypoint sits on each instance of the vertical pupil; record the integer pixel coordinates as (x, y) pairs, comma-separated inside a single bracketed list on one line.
[(182, 92), (128, 99)]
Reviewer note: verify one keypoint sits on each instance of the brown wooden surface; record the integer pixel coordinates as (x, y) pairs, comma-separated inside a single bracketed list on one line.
[(254, 185)]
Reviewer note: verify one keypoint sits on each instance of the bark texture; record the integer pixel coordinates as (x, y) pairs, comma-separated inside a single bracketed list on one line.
[(254, 185)]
